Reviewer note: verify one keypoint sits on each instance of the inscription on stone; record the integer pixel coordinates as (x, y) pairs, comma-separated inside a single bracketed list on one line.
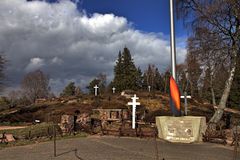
[(178, 130)]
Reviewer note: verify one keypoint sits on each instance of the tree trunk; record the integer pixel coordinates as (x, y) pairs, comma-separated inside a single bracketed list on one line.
[(222, 104), (212, 91)]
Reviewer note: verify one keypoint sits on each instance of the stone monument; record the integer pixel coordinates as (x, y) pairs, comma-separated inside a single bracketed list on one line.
[(185, 129)]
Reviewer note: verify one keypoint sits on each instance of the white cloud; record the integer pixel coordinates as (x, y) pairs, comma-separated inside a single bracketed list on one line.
[(71, 44), (35, 63), (57, 61)]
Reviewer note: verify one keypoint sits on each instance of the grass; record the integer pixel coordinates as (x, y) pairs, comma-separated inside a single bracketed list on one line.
[(38, 134), (38, 130)]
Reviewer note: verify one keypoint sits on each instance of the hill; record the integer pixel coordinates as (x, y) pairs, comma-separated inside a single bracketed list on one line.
[(154, 104)]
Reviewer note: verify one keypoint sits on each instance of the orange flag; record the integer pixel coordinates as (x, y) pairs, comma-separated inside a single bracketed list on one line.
[(174, 97)]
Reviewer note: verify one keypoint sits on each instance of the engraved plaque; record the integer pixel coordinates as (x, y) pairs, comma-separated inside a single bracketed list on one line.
[(186, 129), (179, 130)]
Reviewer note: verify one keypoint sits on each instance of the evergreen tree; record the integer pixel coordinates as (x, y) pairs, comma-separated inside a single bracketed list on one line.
[(91, 85), (159, 81), (118, 73), (69, 90), (100, 81), (153, 78), (139, 79), (126, 75)]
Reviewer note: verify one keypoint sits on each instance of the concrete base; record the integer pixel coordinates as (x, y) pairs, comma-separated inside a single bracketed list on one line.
[(185, 129)]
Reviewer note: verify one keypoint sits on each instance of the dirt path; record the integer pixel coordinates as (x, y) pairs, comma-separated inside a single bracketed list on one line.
[(11, 127)]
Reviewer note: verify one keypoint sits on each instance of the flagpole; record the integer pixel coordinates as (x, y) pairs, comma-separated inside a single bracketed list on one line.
[(173, 46)]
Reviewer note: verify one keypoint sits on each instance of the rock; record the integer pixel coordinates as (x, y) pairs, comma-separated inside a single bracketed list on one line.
[(72, 101)]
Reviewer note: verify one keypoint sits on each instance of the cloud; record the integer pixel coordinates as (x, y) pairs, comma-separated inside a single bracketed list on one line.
[(35, 63), (57, 61), (73, 46)]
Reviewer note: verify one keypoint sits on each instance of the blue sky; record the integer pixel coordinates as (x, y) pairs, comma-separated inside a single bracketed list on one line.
[(146, 15), (74, 41)]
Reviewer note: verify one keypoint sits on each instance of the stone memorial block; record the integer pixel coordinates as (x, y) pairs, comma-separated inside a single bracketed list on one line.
[(10, 137), (67, 121), (185, 129)]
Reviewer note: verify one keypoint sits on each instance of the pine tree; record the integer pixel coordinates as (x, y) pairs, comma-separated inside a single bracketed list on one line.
[(139, 79), (126, 75), (159, 84), (91, 85), (100, 81), (69, 90)]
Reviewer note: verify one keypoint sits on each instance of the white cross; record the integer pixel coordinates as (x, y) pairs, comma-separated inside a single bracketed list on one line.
[(185, 101), (134, 104), (149, 88), (113, 89), (96, 88)]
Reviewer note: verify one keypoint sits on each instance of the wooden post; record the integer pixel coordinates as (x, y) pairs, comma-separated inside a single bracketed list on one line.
[(54, 141), (236, 144), (156, 145), (29, 135)]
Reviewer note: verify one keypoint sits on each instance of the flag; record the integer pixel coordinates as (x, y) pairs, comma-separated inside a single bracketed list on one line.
[(174, 98)]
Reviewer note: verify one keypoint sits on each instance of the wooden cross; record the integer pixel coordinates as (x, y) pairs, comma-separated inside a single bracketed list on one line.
[(185, 102), (96, 88), (134, 104)]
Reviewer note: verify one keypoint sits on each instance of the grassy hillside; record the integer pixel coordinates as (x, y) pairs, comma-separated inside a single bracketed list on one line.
[(153, 104)]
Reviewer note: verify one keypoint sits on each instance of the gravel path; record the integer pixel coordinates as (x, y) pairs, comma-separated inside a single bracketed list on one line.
[(114, 148)]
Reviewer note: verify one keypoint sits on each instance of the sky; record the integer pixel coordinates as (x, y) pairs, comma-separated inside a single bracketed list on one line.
[(76, 40)]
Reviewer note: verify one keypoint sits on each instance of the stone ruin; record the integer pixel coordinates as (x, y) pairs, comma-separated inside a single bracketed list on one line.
[(111, 114), (70, 123)]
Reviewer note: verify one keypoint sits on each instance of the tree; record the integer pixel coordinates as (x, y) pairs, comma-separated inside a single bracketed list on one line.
[(2, 75), (153, 78), (181, 77), (35, 85), (149, 77), (233, 100), (126, 75), (139, 79), (78, 91), (69, 90), (159, 81), (14, 97), (221, 19), (100, 81), (166, 78)]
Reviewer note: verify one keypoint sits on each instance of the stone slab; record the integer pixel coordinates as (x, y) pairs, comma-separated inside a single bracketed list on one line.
[(186, 129)]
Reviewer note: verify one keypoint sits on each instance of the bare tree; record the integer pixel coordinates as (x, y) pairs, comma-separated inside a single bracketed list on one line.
[(2, 67), (13, 97), (35, 85), (221, 18)]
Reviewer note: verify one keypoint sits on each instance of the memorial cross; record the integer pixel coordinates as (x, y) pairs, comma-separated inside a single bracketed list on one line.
[(96, 88), (149, 88), (113, 90), (134, 104), (185, 102)]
